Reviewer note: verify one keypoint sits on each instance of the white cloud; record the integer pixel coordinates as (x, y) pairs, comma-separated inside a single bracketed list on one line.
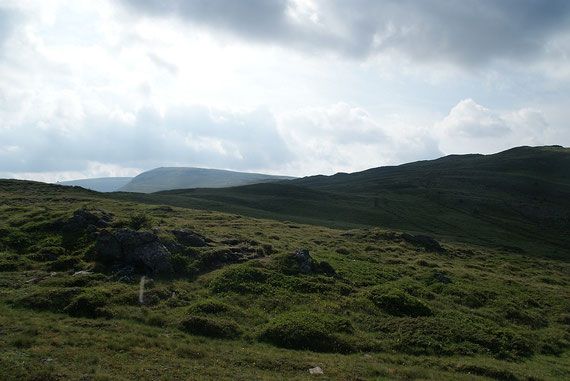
[(347, 138), (471, 120), (93, 87), (470, 127)]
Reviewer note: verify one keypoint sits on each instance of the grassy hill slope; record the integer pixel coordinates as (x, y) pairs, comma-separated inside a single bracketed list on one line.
[(161, 179), (241, 307), (518, 199)]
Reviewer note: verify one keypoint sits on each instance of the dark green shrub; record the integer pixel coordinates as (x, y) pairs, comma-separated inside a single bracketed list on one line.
[(7, 265), (241, 279), (140, 221), (184, 265), (209, 306), (210, 327), (89, 303), (49, 299), (343, 251), (47, 253), (451, 335), (310, 331), (520, 315), (286, 264), (156, 320), (247, 279), (17, 240), (468, 296), (398, 303), (65, 263)]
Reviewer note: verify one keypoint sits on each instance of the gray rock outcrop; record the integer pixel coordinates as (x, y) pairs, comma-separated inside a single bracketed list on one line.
[(188, 238), (142, 250), (308, 265)]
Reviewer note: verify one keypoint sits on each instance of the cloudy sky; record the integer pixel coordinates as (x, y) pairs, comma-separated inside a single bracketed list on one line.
[(296, 87)]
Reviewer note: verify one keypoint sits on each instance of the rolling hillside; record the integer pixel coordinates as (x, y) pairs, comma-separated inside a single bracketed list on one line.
[(517, 199), (101, 184), (167, 178)]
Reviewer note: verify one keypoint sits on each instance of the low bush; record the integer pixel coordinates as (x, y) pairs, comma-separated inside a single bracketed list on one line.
[(310, 331), (47, 253), (89, 303), (8, 265), (49, 299), (452, 335), (210, 327), (185, 265), (209, 306), (65, 263), (522, 316), (139, 221), (241, 279), (16, 240), (398, 303), (247, 279)]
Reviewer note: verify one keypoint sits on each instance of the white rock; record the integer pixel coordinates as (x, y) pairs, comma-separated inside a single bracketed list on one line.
[(316, 370)]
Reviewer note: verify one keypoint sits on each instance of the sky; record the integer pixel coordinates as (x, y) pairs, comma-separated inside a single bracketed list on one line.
[(292, 87)]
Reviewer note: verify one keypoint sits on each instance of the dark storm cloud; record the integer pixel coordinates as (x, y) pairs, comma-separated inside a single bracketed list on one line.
[(255, 18), (465, 32)]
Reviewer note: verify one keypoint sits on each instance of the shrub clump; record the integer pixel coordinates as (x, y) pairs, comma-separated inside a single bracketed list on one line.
[(309, 331), (210, 327), (209, 306), (139, 221), (241, 279), (399, 303), (65, 263), (54, 300), (90, 303)]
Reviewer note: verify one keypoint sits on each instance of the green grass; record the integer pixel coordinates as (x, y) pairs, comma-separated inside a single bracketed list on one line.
[(387, 314)]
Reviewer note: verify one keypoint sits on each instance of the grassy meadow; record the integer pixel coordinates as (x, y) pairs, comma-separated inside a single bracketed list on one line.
[(394, 309)]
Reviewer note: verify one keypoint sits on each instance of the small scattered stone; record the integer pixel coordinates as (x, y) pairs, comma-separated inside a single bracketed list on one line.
[(39, 279), (82, 272), (316, 370)]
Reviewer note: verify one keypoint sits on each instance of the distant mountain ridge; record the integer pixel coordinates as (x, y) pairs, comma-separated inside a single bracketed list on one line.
[(517, 199), (100, 184), (169, 178)]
